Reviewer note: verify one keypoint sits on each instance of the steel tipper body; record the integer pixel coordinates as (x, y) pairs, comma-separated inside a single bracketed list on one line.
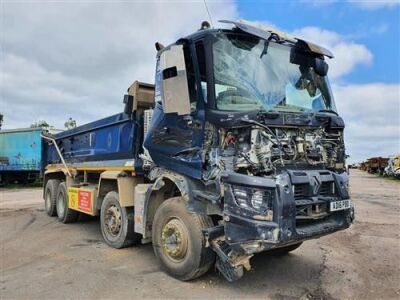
[(94, 169), (237, 149), (21, 152)]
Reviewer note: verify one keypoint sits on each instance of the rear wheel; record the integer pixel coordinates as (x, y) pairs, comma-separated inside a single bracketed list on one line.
[(179, 242), (117, 223), (50, 196), (64, 213)]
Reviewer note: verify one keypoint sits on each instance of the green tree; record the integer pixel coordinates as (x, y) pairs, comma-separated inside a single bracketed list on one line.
[(70, 123), (42, 124)]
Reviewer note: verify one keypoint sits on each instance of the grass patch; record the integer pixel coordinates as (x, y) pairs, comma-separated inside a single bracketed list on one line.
[(35, 184)]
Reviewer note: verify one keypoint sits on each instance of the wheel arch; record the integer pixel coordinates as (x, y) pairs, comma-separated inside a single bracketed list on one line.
[(166, 184), (56, 174), (120, 182)]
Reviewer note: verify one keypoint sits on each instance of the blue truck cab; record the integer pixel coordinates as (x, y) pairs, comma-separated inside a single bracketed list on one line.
[(237, 149)]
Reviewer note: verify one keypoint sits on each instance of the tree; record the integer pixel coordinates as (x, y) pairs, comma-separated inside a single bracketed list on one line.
[(70, 123), (1, 120), (42, 124)]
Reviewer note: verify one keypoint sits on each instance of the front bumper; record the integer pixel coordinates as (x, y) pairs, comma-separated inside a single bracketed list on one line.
[(245, 230)]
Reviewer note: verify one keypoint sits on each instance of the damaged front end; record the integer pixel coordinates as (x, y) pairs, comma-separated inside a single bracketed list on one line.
[(281, 186), (262, 214), (290, 216)]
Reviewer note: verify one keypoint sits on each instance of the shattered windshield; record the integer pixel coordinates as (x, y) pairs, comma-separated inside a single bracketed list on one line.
[(252, 74)]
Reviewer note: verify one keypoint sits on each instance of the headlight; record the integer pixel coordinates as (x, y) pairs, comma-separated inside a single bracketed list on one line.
[(252, 198)]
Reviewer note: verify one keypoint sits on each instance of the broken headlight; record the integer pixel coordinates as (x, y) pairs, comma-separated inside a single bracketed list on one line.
[(259, 200)]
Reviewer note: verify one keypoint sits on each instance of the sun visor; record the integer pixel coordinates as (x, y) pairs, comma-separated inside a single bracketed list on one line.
[(315, 48), (249, 29), (265, 32)]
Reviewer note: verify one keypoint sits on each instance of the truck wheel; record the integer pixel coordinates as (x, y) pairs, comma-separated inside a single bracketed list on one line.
[(285, 250), (179, 242), (117, 223), (50, 196), (64, 213)]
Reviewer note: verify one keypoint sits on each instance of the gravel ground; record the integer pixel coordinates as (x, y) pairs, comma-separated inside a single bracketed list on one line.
[(42, 258)]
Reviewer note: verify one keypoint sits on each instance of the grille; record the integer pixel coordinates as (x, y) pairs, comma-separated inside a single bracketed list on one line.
[(301, 191), (327, 189), (309, 210)]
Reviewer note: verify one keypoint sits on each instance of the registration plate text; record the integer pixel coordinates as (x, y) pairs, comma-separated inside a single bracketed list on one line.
[(340, 205)]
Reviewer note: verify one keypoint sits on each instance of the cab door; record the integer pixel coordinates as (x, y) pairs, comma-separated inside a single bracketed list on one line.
[(176, 136)]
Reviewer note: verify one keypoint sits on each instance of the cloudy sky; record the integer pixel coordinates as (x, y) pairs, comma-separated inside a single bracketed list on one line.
[(62, 59)]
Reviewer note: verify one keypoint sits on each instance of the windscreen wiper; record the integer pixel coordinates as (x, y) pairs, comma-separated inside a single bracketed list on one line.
[(329, 111), (266, 43)]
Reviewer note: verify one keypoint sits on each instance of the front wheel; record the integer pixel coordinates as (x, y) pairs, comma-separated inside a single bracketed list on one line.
[(117, 223), (179, 242)]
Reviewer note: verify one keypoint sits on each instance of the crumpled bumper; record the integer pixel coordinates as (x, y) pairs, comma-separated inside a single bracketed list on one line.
[(246, 232)]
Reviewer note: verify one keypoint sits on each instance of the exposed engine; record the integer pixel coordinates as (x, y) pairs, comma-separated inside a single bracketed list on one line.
[(261, 151)]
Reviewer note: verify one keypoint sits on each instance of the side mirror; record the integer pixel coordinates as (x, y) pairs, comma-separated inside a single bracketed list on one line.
[(302, 58), (175, 91), (128, 101), (320, 67)]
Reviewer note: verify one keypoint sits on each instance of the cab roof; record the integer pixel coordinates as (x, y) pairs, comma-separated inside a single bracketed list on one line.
[(266, 33)]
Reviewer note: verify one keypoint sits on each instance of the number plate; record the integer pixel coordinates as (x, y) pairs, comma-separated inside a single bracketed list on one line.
[(340, 205)]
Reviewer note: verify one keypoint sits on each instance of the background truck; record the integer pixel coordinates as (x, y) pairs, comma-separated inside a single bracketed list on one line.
[(393, 166), (21, 152), (376, 165), (236, 149)]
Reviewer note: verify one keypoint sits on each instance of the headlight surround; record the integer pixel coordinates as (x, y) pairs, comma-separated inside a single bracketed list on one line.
[(255, 199)]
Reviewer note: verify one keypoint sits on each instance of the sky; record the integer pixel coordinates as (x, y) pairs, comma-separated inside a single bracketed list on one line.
[(61, 59)]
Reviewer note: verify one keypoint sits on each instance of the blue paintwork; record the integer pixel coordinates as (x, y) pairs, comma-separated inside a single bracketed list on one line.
[(164, 153), (111, 138), (21, 150)]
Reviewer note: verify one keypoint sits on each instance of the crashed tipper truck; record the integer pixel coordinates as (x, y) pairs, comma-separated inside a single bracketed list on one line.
[(238, 148)]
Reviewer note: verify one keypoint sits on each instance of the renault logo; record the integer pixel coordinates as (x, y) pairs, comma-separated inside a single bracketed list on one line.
[(316, 185)]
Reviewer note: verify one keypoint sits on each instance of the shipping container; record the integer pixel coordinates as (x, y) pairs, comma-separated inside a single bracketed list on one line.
[(21, 153)]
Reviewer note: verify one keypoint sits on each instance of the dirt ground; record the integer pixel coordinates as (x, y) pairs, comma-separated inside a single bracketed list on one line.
[(42, 258)]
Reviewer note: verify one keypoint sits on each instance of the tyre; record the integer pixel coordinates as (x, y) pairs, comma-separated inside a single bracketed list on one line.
[(50, 197), (117, 223), (178, 240), (64, 213), (285, 250)]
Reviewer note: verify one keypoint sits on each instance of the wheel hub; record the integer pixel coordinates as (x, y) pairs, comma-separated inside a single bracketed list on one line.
[(174, 239), (113, 220)]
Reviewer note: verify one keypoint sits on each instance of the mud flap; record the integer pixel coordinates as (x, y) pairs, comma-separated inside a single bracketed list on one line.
[(230, 267), (230, 272)]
